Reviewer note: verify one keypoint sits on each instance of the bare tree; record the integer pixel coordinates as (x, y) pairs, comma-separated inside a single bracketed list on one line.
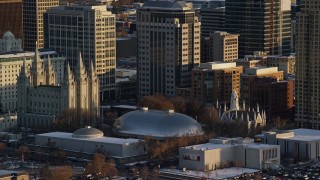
[(100, 167), (22, 151), (156, 173), (145, 171), (54, 173), (3, 146)]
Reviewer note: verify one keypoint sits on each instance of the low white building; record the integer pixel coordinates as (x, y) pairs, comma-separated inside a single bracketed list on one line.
[(89, 140), (8, 121), (227, 152), (303, 144)]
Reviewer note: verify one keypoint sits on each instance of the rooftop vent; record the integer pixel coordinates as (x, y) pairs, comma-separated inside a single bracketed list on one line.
[(145, 109), (170, 111)]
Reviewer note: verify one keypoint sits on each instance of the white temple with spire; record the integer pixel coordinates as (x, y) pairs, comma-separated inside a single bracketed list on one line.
[(255, 117), (41, 98)]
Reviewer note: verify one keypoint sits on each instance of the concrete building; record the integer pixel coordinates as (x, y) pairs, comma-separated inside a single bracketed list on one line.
[(89, 29), (41, 98), (11, 17), (226, 152), (89, 140), (215, 81), (266, 86), (7, 121), (33, 22), (9, 43), (224, 47), (307, 66), (168, 46), (287, 64), (303, 144), (10, 66), (263, 25), (248, 63), (250, 74)]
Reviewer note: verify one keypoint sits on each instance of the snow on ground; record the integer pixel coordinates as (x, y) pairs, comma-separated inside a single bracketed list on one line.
[(217, 174)]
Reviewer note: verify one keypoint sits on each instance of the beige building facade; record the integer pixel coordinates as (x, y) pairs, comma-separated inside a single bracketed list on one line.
[(10, 66), (226, 152), (168, 46), (41, 98), (89, 29), (33, 21), (224, 46)]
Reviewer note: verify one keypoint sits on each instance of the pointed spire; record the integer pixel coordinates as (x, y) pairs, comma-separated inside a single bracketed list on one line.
[(236, 114), (37, 55), (225, 106), (243, 105), (234, 101), (23, 68), (80, 61), (80, 70), (217, 105), (248, 117), (68, 74), (258, 108), (91, 70), (242, 116)]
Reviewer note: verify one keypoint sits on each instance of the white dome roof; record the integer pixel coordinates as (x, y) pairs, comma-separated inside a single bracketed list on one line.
[(158, 124), (87, 132)]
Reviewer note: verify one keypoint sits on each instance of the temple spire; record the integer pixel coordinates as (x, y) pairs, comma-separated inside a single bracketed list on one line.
[(234, 101)]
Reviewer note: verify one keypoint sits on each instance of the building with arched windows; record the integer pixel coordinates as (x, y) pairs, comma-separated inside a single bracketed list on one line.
[(41, 98)]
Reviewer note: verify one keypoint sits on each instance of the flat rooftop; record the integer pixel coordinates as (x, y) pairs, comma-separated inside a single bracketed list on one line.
[(25, 54), (302, 134), (217, 65), (260, 70), (110, 140), (208, 146)]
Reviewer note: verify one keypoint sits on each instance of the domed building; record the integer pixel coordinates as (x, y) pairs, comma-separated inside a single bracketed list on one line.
[(156, 124), (88, 140), (253, 117), (87, 133), (9, 43)]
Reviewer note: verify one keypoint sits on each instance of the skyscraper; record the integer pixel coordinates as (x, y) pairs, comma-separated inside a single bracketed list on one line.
[(33, 21), (307, 65), (89, 29), (263, 25), (11, 17), (168, 46)]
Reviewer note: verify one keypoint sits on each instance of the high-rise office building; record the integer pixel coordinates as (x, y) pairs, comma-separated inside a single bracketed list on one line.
[(224, 46), (168, 46), (89, 29), (263, 25), (11, 17), (212, 19), (307, 65), (215, 81), (33, 21)]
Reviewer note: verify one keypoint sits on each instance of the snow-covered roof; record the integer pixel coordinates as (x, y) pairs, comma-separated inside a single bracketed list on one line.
[(217, 174), (304, 135), (157, 124), (109, 140), (208, 146)]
